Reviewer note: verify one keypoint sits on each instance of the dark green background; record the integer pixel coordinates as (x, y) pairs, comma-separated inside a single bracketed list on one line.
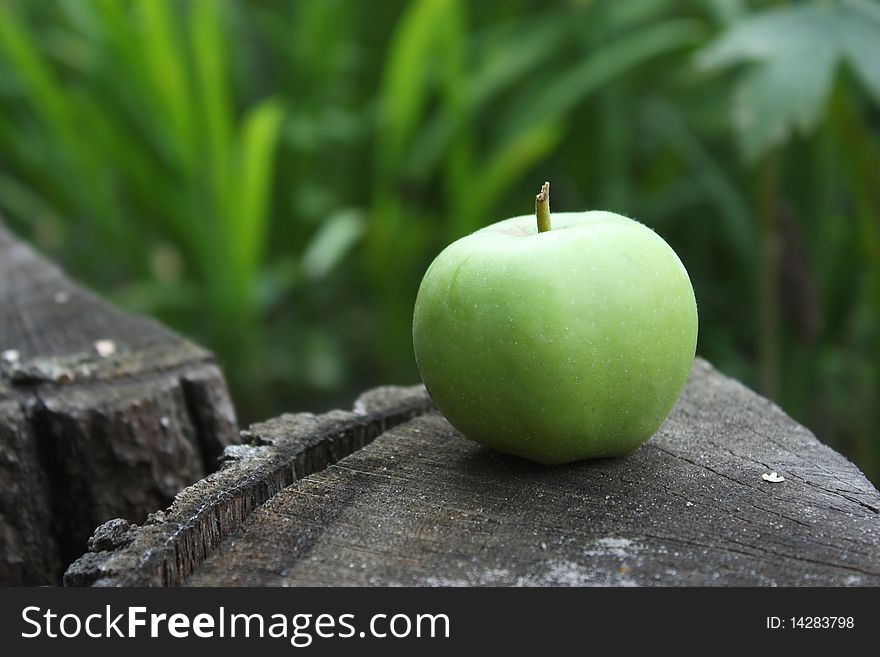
[(272, 178)]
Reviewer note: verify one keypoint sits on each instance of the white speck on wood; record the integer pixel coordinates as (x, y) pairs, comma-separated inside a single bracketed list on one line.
[(773, 477), (105, 348)]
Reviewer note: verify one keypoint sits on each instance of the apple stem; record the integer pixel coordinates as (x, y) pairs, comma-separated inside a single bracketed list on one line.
[(542, 208)]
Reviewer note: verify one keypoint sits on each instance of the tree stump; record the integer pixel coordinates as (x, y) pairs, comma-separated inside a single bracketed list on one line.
[(391, 494), (102, 414)]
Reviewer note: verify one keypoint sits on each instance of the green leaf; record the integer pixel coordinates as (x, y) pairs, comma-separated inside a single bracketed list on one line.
[(768, 34), (37, 79), (510, 162), (405, 86), (506, 62), (561, 94), (773, 100), (500, 67), (425, 56), (165, 61), (249, 188), (20, 200), (210, 56), (726, 11), (860, 37), (620, 16), (793, 53), (716, 186), (332, 242)]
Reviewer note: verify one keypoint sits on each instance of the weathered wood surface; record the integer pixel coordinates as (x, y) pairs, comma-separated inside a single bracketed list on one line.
[(420, 505), (102, 414), (276, 454)]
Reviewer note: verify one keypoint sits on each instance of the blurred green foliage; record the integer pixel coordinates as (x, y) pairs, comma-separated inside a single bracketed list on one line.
[(272, 178)]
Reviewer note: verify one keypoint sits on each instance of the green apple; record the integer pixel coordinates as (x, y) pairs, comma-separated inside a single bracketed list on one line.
[(556, 343)]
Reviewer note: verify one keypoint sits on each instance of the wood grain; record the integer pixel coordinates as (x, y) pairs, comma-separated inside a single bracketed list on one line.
[(275, 454), (85, 437), (422, 506)]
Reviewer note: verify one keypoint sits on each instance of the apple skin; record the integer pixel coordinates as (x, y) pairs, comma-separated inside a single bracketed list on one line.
[(568, 344)]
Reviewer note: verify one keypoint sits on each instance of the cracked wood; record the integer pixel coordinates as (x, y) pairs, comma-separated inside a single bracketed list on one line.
[(102, 414), (420, 505)]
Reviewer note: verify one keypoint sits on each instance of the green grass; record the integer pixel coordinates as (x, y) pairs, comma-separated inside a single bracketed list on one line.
[(272, 178)]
